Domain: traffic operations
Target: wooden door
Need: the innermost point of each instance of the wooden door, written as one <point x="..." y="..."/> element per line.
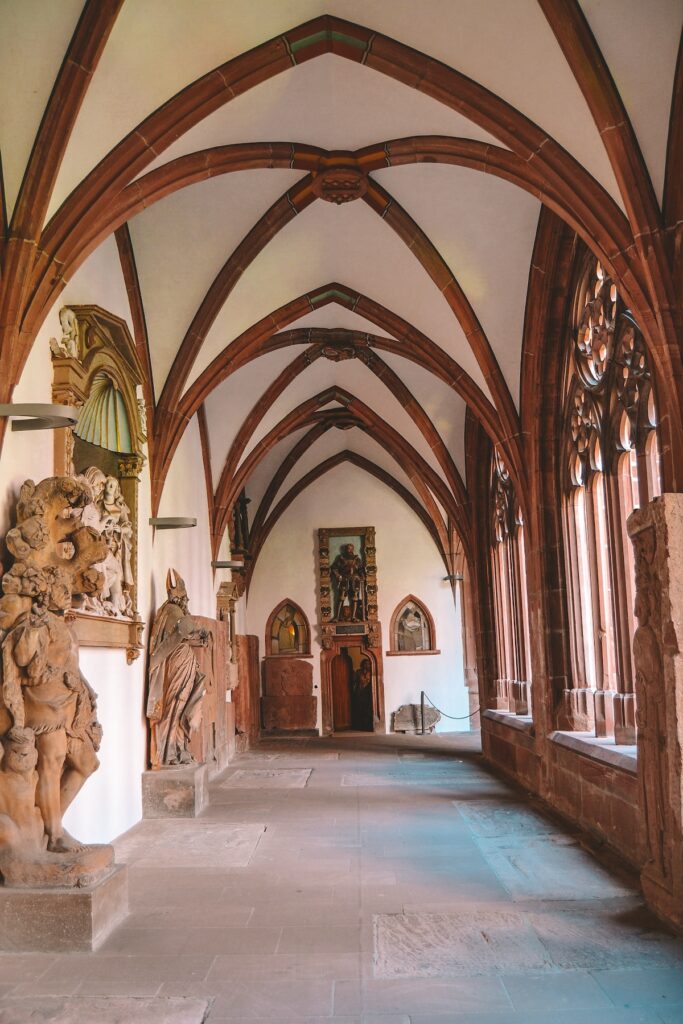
<point x="342" y="671"/>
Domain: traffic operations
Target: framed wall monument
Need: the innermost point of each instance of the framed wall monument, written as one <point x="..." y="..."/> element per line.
<point x="97" y="370"/>
<point x="352" y="688"/>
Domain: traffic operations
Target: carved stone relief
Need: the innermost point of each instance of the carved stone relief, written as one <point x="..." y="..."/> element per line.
<point x="96" y="369"/>
<point x="49" y="733"/>
<point x="656" y="532"/>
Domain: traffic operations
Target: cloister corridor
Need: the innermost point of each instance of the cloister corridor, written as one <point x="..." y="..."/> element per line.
<point x="383" y="880"/>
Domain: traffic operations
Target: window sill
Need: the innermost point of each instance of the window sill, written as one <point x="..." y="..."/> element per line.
<point x="408" y="654"/>
<point x="598" y="749"/>
<point x="524" y="723"/>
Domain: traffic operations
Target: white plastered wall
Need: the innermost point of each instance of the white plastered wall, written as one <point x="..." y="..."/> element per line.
<point x="407" y="563"/>
<point x="110" y="801"/>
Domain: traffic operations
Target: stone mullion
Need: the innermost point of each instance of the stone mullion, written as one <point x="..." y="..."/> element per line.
<point x="624" y="702"/>
<point x="499" y="697"/>
<point x="604" y="598"/>
<point x="521" y="624"/>
<point x="578" y="701"/>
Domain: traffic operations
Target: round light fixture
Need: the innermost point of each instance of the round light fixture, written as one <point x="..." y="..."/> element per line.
<point x="39" y="415"/>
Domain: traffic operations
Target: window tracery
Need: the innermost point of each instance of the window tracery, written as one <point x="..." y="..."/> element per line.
<point x="611" y="467"/>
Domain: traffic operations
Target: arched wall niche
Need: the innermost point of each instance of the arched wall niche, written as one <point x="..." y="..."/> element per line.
<point x="288" y="633"/>
<point x="412" y="620"/>
<point x="96" y="369"/>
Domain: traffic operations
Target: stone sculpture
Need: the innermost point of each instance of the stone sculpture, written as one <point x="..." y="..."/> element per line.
<point x="175" y="681"/>
<point x="348" y="573"/>
<point x="66" y="347"/>
<point x="49" y="731"/>
<point x="109" y="514"/>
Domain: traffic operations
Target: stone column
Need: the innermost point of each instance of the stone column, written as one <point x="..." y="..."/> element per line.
<point x="656" y="532"/>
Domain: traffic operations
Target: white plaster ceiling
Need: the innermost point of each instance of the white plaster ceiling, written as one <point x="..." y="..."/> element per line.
<point x="442" y="404"/>
<point x="34" y="36"/>
<point x="260" y="479"/>
<point x="639" y="41"/>
<point x="230" y="403"/>
<point x="182" y="242"/>
<point x="352" y="245"/>
<point x="507" y="45"/>
<point x="354" y="377"/>
<point x="335" y="316"/>
<point x="484" y="227"/>
<point x="307" y="105"/>
<point x="335" y="441"/>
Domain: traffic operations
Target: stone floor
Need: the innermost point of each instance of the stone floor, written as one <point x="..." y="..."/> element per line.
<point x="379" y="880"/>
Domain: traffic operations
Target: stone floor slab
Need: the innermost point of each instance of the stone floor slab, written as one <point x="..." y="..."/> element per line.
<point x="602" y="942"/>
<point x="549" y="867"/>
<point x="108" y="1010"/>
<point x="492" y="818"/>
<point x="267" y="778"/>
<point x="189" y="844"/>
<point x="447" y="945"/>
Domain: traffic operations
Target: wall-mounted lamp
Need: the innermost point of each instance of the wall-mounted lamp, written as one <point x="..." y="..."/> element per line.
<point x="39" y="415"/>
<point x="173" y="522"/>
<point x="456" y="577"/>
<point x="227" y="564"/>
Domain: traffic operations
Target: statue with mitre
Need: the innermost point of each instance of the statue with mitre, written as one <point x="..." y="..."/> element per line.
<point x="176" y="684"/>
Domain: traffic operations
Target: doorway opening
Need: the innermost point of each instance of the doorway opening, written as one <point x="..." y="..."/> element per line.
<point x="353" y="687"/>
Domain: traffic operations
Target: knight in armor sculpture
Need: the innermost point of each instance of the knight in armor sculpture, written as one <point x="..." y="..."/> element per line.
<point x="348" y="573"/>
<point x="176" y="685"/>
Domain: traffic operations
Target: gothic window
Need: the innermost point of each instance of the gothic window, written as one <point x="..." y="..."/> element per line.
<point x="288" y="632"/>
<point x="611" y="467"/>
<point x="508" y="571"/>
<point x="412" y="629"/>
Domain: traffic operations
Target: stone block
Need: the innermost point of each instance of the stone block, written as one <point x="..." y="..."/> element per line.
<point x="289" y="713"/>
<point x="181" y="792"/>
<point x="76" y="920"/>
<point x="287" y="677"/>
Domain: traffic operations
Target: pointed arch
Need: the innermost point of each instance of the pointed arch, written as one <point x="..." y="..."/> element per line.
<point x="427" y="644"/>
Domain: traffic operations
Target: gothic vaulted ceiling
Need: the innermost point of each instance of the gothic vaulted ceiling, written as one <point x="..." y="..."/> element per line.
<point x="326" y="210"/>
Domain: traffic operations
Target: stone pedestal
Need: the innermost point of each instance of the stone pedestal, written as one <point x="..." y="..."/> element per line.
<point x="657" y="535"/>
<point x="75" y="920"/>
<point x="181" y="792"/>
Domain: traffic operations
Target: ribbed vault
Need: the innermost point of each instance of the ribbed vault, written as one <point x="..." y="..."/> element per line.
<point x="370" y="271"/>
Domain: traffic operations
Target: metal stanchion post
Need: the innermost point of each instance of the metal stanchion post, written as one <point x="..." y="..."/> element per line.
<point x="422" y="710"/>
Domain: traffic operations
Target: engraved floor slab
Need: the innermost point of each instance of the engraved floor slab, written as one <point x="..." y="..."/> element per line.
<point x="491" y="818"/>
<point x="189" y="844"/>
<point x="105" y="1010"/>
<point x="446" y="945"/>
<point x="605" y="941"/>
<point x="268" y="778"/>
<point x="549" y="868"/>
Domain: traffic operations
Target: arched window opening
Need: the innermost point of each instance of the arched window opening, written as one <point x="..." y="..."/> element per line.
<point x="510" y="607"/>
<point x="611" y="467"/>
<point x="288" y="632"/>
<point x="412" y="629"/>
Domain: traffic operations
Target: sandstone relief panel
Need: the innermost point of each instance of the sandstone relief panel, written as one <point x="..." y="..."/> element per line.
<point x="49" y="733"/>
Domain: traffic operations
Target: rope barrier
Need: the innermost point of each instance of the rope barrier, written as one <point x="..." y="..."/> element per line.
<point x="453" y="718"/>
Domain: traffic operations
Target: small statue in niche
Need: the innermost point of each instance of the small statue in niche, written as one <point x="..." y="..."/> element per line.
<point x="176" y="686"/>
<point x="412" y="631"/>
<point x="66" y="347"/>
<point x="109" y="514"/>
<point x="49" y="731"/>
<point x="348" y="573"/>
